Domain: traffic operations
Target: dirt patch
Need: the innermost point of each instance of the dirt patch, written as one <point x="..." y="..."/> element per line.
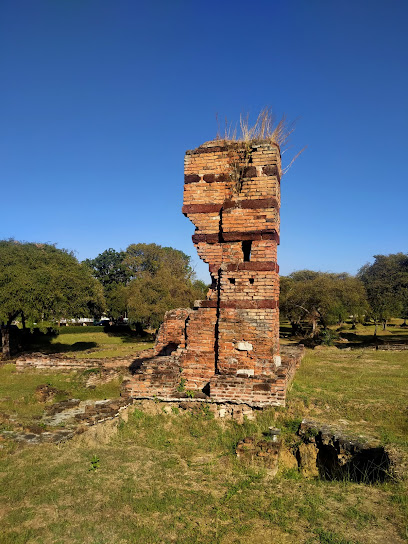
<point x="46" y="393"/>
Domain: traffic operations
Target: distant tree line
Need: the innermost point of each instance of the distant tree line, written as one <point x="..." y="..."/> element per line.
<point x="378" y="292"/>
<point x="42" y="284"/>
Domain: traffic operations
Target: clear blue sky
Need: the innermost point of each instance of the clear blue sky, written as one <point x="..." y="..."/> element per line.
<point x="100" y="99"/>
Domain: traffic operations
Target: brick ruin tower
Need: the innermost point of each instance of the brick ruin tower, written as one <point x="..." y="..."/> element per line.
<point x="227" y="347"/>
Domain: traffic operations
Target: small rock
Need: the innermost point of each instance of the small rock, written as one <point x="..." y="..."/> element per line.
<point x="245" y="372"/>
<point x="243" y="346"/>
<point x="277" y="360"/>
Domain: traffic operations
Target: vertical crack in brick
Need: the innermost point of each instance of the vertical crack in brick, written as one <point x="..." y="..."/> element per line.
<point x="217" y="323"/>
<point x="220" y="231"/>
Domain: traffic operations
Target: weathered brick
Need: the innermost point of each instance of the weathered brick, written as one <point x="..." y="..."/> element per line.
<point x="191" y="178"/>
<point x="226" y="345"/>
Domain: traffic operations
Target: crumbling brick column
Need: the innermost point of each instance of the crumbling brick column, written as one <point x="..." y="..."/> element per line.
<point x="227" y="347"/>
<point x="232" y="195"/>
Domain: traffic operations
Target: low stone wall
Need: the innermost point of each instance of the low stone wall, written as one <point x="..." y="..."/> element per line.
<point x="155" y="376"/>
<point x="392" y="347"/>
<point x="58" y="363"/>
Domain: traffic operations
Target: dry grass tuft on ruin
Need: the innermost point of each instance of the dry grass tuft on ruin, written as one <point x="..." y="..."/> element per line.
<point x="266" y="128"/>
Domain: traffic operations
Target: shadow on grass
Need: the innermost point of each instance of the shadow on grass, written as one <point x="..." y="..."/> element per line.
<point x="48" y="348"/>
<point x="78" y="346"/>
<point x="368" y="340"/>
<point x="38" y="341"/>
<point x="128" y="335"/>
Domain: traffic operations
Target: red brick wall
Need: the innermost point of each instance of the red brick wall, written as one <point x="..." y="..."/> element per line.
<point x="245" y="292"/>
<point x="172" y="333"/>
<point x="228" y="343"/>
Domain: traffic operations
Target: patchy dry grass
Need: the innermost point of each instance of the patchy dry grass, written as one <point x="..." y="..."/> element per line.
<point x="365" y="390"/>
<point x="175" y="479"/>
<point x="17" y="392"/>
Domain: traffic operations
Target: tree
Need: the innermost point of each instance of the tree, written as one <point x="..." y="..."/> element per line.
<point x="146" y="264"/>
<point x="354" y="299"/>
<point x="109" y="268"/>
<point x="321" y="298"/>
<point x="140" y="258"/>
<point x="386" y="283"/>
<point x="116" y="296"/>
<point x="162" y="279"/>
<point x="200" y="289"/>
<point x="43" y="283"/>
<point x="290" y="304"/>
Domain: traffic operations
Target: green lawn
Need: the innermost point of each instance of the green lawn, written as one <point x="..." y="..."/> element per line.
<point x="366" y="389"/>
<point x="92" y="342"/>
<point x="17" y="392"/>
<point x="175" y="479"/>
<point x="362" y="333"/>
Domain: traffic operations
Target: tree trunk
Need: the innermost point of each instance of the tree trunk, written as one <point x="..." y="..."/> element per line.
<point x="5" y="341"/>
<point x="384" y="325"/>
<point x="295" y="328"/>
<point x="23" y="320"/>
<point x="375" y="334"/>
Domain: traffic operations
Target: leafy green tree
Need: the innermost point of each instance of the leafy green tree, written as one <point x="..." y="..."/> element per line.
<point x="200" y="289"/>
<point x="151" y="296"/>
<point x="321" y="298"/>
<point x="162" y="279"/>
<point x="140" y="258"/>
<point x="145" y="281"/>
<point x="290" y="304"/>
<point x="42" y="283"/>
<point x="386" y="283"/>
<point x="116" y="297"/>
<point x="354" y="299"/>
<point x="108" y="268"/>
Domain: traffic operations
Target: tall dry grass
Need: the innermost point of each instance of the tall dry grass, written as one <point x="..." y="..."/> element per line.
<point x="266" y="128"/>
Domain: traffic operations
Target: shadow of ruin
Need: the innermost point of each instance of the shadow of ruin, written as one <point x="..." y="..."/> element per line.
<point x="226" y="349"/>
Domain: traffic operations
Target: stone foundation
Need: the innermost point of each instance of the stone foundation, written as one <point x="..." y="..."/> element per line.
<point x="40" y="361"/>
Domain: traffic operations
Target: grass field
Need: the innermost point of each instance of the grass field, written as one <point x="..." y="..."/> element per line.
<point x="361" y="335"/>
<point x="162" y="478"/>
<point x="18" y="399"/>
<point x="92" y="342"/>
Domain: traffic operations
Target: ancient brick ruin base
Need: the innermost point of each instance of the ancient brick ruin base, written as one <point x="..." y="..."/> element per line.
<point x="161" y="377"/>
<point x="227" y="348"/>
